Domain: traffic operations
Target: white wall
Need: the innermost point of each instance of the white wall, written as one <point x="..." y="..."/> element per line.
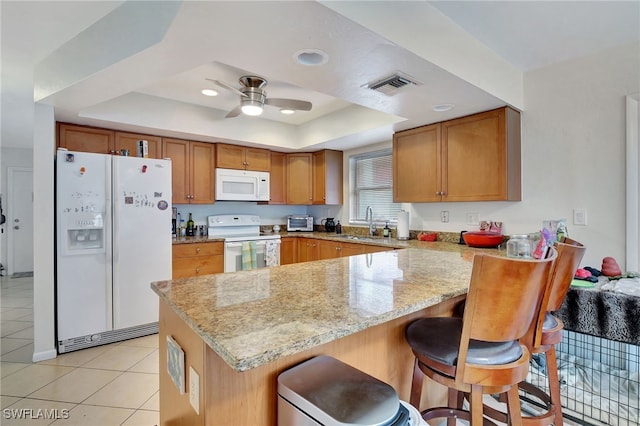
<point x="573" y="156"/>
<point x="10" y="157"/>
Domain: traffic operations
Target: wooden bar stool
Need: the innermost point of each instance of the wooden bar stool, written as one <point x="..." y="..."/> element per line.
<point x="545" y="333"/>
<point x="480" y="352"/>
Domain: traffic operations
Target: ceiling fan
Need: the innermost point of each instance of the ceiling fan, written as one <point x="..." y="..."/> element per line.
<point x="253" y="97"/>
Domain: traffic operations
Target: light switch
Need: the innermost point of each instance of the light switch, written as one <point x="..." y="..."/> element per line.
<point x="580" y="216"/>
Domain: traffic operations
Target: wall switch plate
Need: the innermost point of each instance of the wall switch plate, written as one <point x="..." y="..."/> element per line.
<point x="580" y="216"/>
<point x="194" y="389"/>
<point x="473" y="218"/>
<point x="444" y="216"/>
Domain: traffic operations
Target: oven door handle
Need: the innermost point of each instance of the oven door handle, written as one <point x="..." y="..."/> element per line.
<point x="258" y="243"/>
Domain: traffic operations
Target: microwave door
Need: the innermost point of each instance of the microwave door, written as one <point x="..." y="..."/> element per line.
<point x="239" y="188"/>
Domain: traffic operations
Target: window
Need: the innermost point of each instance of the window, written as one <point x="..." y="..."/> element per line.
<point x="371" y="184"/>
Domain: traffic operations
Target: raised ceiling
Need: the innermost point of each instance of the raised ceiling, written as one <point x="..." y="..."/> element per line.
<point x="140" y="66"/>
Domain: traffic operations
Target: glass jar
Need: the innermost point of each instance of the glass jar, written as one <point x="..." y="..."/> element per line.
<point x="519" y="246"/>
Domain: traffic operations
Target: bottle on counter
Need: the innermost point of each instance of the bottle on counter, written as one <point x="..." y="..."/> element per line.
<point x="190" y="227"/>
<point x="183" y="228"/>
<point x="338" y="228"/>
<point x="386" y="231"/>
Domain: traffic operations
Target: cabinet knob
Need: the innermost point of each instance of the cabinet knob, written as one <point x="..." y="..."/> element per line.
<point x="197" y="249"/>
<point x="197" y="270"/>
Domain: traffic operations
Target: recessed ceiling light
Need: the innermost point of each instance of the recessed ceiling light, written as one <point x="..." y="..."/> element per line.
<point x="287" y="111"/>
<point x="209" y="92"/>
<point x="311" y="57"/>
<point x="443" y="107"/>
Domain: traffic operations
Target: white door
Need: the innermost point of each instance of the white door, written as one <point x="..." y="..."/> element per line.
<point x="19" y="220"/>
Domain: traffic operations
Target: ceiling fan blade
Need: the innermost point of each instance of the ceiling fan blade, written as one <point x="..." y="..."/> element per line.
<point x="234" y="112"/>
<point x="289" y="104"/>
<point x="226" y="86"/>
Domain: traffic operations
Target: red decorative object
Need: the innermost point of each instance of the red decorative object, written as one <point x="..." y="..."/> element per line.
<point x="427" y="236"/>
<point x="610" y="267"/>
<point x="482" y="239"/>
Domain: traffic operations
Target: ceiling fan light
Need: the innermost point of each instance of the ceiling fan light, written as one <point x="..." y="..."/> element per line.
<point x="443" y="107"/>
<point x="287" y="111"/>
<point x="253" y="110"/>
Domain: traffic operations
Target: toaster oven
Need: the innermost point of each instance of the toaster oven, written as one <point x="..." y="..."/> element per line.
<point x="300" y="223"/>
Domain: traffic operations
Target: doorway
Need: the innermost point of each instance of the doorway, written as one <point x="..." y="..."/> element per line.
<point x="19" y="221"/>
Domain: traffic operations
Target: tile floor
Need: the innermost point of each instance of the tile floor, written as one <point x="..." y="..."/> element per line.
<point x="114" y="384"/>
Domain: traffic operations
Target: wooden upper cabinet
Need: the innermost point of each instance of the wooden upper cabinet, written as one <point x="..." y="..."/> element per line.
<point x="244" y="158"/>
<point x="473" y="158"/>
<point x="202" y="161"/>
<point x="481" y="159"/>
<point x="129" y="141"/>
<point x="327" y="177"/>
<point x="299" y="178"/>
<point x="416" y="165"/>
<point x="278" y="178"/>
<point x="86" y="139"/>
<point x="192" y="170"/>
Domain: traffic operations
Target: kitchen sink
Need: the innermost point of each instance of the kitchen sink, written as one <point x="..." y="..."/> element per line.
<point x="355" y="237"/>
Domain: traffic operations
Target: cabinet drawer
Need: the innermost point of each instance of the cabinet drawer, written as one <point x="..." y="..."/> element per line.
<point x="197" y="249"/>
<point x="196" y="266"/>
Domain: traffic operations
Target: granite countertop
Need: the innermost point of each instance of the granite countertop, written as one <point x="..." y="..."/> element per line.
<point x="251" y="318"/>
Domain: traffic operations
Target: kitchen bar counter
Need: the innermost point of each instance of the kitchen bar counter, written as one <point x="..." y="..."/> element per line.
<point x="239" y="331"/>
<point x="250" y="318"/>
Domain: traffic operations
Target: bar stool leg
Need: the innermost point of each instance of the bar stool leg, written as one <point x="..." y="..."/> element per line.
<point x="554" y="385"/>
<point x="416" y="386"/>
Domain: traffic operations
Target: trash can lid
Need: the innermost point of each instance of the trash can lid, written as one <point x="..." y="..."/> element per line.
<point x="335" y="393"/>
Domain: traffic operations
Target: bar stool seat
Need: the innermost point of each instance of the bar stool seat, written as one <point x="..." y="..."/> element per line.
<point x="480" y="353"/>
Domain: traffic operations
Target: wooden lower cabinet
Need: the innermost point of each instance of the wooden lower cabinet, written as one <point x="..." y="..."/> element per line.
<point x="307" y="249"/>
<point x="288" y="251"/>
<point x="193" y="259"/>
<point x="332" y="249"/>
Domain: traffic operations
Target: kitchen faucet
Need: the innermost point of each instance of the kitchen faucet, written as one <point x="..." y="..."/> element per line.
<point x="368" y="216"/>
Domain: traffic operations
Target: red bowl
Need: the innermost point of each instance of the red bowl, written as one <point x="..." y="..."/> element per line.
<point x="482" y="239"/>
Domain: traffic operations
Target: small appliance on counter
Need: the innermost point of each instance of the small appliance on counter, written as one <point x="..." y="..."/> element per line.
<point x="329" y="224"/>
<point x="174" y="222"/>
<point x="301" y="222"/>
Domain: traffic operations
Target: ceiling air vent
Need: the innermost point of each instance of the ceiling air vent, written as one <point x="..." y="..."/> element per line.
<point x="391" y="84"/>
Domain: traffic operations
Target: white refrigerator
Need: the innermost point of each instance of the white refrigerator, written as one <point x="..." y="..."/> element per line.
<point x="113" y="220"/>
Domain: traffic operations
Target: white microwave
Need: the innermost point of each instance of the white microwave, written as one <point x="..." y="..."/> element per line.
<point x="241" y="185"/>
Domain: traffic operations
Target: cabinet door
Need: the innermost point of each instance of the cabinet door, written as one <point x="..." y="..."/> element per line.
<point x="299" y="178"/>
<point x="307" y="249"/>
<point x="327" y="177"/>
<point x="481" y="159"/>
<point x="257" y="159"/>
<point x="130" y="141"/>
<point x="202" y="161"/>
<point x="288" y="249"/>
<point x="416" y="165"/>
<point x="278" y="176"/>
<point x="230" y="156"/>
<point x="85" y="139"/>
<point x="350" y="249"/>
<point x="178" y="151"/>
<point x="328" y="249"/>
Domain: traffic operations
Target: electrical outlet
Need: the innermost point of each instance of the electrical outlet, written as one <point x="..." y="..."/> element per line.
<point x="444" y="216"/>
<point x="473" y="218"/>
<point x="194" y="389"/>
<point x="580" y="216"/>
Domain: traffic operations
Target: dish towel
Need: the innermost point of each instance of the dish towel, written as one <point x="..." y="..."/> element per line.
<point x="249" y="258"/>
<point x="271" y="257"/>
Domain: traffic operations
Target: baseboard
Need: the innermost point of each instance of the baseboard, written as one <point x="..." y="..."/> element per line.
<point x="44" y="355"/>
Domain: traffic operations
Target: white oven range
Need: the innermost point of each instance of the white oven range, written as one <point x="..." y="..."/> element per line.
<point x="243" y="242"/>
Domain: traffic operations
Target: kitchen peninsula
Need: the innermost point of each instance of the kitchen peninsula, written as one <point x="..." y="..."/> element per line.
<point x="238" y="331"/>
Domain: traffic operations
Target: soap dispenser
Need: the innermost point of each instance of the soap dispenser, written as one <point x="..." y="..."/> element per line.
<point x="338" y="228"/>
